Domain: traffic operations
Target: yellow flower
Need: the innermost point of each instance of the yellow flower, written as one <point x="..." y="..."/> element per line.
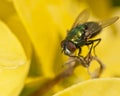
<point x="14" y="59"/>
<point x="93" y="88"/>
<point x="32" y="33"/>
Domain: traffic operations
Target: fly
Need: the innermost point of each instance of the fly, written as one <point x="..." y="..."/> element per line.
<point x="82" y="33"/>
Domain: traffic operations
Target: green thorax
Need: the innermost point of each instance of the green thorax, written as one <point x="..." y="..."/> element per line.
<point x="76" y="35"/>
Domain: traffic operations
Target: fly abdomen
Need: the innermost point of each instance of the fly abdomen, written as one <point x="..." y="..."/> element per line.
<point x="92" y="29"/>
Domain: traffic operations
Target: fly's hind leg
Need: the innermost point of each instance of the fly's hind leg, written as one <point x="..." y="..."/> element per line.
<point x="98" y="41"/>
<point x="91" y="42"/>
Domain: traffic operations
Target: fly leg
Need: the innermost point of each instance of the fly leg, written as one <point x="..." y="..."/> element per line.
<point x="89" y="58"/>
<point x="98" y="41"/>
<point x="82" y="59"/>
<point x="80" y="56"/>
<point x="85" y="62"/>
<point x="79" y="52"/>
<point x="91" y="42"/>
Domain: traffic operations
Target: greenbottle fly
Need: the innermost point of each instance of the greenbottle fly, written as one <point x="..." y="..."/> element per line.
<point x="82" y="33"/>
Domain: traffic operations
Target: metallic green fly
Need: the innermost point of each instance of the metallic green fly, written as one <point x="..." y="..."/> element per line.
<point x="82" y="33"/>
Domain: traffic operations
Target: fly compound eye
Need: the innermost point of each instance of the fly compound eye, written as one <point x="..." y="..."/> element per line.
<point x="68" y="47"/>
<point x="71" y="47"/>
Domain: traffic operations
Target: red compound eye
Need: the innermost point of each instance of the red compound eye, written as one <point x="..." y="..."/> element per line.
<point x="71" y="46"/>
<point x="68" y="47"/>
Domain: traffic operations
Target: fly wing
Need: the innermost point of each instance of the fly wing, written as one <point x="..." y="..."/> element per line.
<point x="82" y="17"/>
<point x="108" y="22"/>
<point x="94" y="28"/>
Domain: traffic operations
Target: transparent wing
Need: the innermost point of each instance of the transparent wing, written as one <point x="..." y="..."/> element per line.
<point x="93" y="28"/>
<point x="82" y="17"/>
<point x="108" y="22"/>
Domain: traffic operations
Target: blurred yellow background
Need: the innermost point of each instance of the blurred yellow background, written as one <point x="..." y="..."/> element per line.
<point x="40" y="26"/>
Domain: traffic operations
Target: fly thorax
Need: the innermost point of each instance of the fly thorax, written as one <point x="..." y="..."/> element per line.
<point x="76" y="37"/>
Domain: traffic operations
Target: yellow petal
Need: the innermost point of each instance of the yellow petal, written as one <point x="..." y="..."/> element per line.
<point x="14" y="23"/>
<point x="14" y="64"/>
<point x="39" y="25"/>
<point x="96" y="87"/>
<point x="6" y="9"/>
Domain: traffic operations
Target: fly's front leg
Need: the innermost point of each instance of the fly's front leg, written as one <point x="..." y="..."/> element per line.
<point x="79" y="52"/>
